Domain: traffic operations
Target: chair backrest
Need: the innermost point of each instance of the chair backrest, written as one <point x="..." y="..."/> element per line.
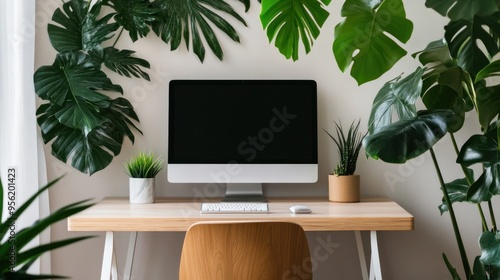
<point x="245" y="251"/>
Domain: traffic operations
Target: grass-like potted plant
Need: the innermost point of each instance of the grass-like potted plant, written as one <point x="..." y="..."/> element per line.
<point x="343" y="184"/>
<point x="142" y="170"/>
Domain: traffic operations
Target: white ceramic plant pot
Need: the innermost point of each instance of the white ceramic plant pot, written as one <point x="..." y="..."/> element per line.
<point x="142" y="190"/>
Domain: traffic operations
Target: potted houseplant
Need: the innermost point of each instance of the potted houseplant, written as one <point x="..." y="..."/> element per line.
<point x="343" y="184"/>
<point x="15" y="257"/>
<point x="142" y="170"/>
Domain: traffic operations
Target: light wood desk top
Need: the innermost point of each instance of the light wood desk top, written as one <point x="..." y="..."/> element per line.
<point x="117" y="214"/>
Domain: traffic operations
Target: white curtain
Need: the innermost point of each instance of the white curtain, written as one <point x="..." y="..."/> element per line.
<point x="21" y="150"/>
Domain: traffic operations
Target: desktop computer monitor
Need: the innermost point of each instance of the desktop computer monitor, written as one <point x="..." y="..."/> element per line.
<point x="242" y="133"/>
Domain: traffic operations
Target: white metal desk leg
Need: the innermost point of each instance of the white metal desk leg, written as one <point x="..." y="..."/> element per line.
<point x="361" y="254"/>
<point x="130" y="255"/>
<point x="375" y="269"/>
<point x="109" y="269"/>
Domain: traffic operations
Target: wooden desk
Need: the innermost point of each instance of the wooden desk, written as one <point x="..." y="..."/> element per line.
<point x="117" y="214"/>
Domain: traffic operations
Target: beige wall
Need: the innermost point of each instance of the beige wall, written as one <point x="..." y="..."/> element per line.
<point x="405" y="255"/>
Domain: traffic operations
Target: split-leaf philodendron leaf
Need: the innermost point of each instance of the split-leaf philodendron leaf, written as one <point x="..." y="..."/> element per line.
<point x="362" y="38"/>
<point x="408" y="138"/>
<point x="288" y="22"/>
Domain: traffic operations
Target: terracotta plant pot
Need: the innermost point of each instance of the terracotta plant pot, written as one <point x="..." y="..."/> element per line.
<point x="344" y="188"/>
<point x="142" y="190"/>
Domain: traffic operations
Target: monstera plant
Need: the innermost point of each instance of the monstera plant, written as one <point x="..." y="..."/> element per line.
<point x="456" y="78"/>
<point x="84" y="116"/>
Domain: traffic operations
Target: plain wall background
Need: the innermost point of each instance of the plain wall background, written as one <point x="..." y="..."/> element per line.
<point x="414" y="185"/>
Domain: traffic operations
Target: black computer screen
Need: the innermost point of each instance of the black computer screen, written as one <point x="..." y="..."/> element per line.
<point x="252" y="121"/>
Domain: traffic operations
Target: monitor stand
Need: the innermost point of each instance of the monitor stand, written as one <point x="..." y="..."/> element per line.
<point x="244" y="192"/>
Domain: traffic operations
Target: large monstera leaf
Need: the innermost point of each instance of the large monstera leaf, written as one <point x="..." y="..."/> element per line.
<point x="87" y="126"/>
<point x="474" y="41"/>
<point x="445" y="84"/>
<point x="397" y="95"/>
<point x="179" y="19"/>
<point x="290" y="21"/>
<point x="72" y="84"/>
<point x="362" y="38"/>
<point x="78" y="27"/>
<point x="408" y="138"/>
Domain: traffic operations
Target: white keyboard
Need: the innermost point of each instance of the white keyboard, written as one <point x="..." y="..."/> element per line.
<point x="234" y="207"/>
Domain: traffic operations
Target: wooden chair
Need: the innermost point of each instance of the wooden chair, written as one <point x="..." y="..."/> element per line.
<point x="245" y="251"/>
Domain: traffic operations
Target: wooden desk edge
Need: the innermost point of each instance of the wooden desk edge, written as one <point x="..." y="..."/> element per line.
<point x="401" y="222"/>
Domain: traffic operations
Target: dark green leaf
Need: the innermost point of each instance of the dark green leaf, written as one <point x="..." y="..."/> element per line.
<point x="473" y="41"/>
<point x="362" y="38"/>
<point x="398" y="94"/>
<point x="79" y="29"/>
<point x="483" y="149"/>
<point x="135" y="16"/>
<point x="71" y="84"/>
<point x="491" y="70"/>
<point x="490" y="248"/>
<point x="4" y="226"/>
<point x="445" y="85"/>
<point x="479" y="272"/>
<point x="487" y="99"/>
<point x="246" y="3"/>
<point x="290" y="21"/>
<point x="486" y="186"/>
<point x="28" y="257"/>
<point x="186" y="18"/>
<point x="24" y="236"/>
<point x="480" y="149"/>
<point x="462" y="9"/>
<point x="457" y="192"/>
<point x="436" y="54"/>
<point x="94" y="151"/>
<point x="451" y="90"/>
<point x="408" y="138"/>
<point x="123" y="63"/>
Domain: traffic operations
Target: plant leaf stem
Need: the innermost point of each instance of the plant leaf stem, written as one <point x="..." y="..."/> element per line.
<point x="117" y="38"/>
<point x="492" y="216"/>
<point x="470" y="181"/>
<point x="456" y="230"/>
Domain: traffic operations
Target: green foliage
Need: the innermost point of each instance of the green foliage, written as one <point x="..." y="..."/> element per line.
<point x="362" y="38"/>
<point x="185" y="19"/>
<point x="15" y="258"/>
<point x="455" y="80"/>
<point x="367" y="38"/>
<point x="348" y="146"/>
<point x="135" y="16"/>
<point x="83" y="117"/>
<point x="484" y="150"/>
<point x="397" y="95"/>
<point x="144" y="166"/>
<point x="490" y="248"/>
<point x="290" y="21"/>
<point x="408" y="138"/>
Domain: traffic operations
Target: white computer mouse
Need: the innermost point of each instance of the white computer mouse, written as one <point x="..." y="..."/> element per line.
<point x="300" y="209"/>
